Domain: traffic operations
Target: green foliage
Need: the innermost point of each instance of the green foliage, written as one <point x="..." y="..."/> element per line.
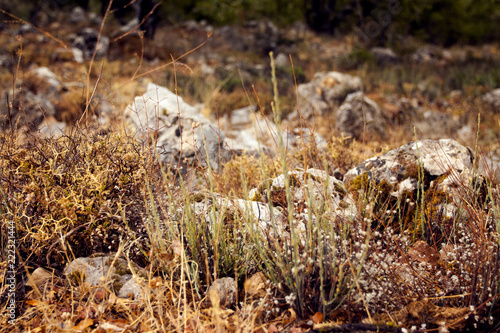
<point x="358" y="57"/>
<point x="436" y="21"/>
<point x="222" y="12"/>
<point x="450" y="21"/>
<point x="376" y="22"/>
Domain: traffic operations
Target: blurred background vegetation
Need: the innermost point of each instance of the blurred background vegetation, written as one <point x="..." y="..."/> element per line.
<point x="383" y="22"/>
<point x="379" y="22"/>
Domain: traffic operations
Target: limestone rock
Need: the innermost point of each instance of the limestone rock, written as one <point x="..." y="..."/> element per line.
<point x="266" y="34"/>
<point x="78" y="55"/>
<point x="384" y="55"/>
<point x="28" y="108"/>
<point x="49" y="77"/>
<point x="493" y="99"/>
<point x="325" y="92"/>
<point x="88" y="40"/>
<point x="439" y="169"/>
<point x="95" y="271"/>
<point x="77" y="15"/>
<point x="282" y="61"/>
<point x="266" y="210"/>
<point x="434" y="124"/>
<point x="359" y="114"/>
<point x="427" y="54"/>
<point x="256" y="285"/>
<point x="435" y="157"/>
<point x="50" y="127"/>
<point x="181" y="132"/>
<point x="312" y="185"/>
<point x="297" y="32"/>
<point x="250" y="210"/>
<point x="442" y="165"/>
<point x="306" y="137"/>
<point x="39" y="277"/>
<point x="429" y="124"/>
<point x="250" y="132"/>
<point x="242" y="117"/>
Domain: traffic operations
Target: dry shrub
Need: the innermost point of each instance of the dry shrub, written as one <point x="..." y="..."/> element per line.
<point x="68" y="197"/>
<point x="245" y="169"/>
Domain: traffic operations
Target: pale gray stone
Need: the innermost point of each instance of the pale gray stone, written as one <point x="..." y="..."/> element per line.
<point x="96" y="271"/>
<point x="77" y="15"/>
<point x="282" y="61"/>
<point x="243" y="116"/>
<point x="51" y="128"/>
<point x="226" y="290"/>
<point x="78" y="55"/>
<point x="493" y="99"/>
<point x="27" y="109"/>
<point x="442" y="165"/>
<point x="88" y="41"/>
<point x="46" y="74"/>
<point x="384" y="55"/>
<point x="183" y="133"/>
<point x="325" y="93"/>
<point x="359" y="115"/>
<point x="435" y="157"/>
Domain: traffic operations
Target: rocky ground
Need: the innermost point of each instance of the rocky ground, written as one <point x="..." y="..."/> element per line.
<point x="329" y="184"/>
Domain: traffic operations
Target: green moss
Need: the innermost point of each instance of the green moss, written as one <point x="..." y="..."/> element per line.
<point x="405" y="212"/>
<point x="340" y="190"/>
<point x="360" y="182"/>
<point x="433" y="200"/>
<point x="343" y="204"/>
<point x="117" y="283"/>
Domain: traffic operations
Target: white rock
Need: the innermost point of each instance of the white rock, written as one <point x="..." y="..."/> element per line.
<point x="325" y="92"/>
<point x="493" y="98"/>
<point x="180" y="128"/>
<point x="438" y="156"/>
<point x="96" y="270"/>
<point x="51" y="128"/>
<point x="49" y="76"/>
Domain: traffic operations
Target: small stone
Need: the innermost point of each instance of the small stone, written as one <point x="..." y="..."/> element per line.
<point x="89" y="40"/>
<point x="77" y="15"/>
<point x="493" y="98"/>
<point x="360" y="115"/>
<point x="39" y="277"/>
<point x="282" y="61"/>
<point x="223" y="291"/>
<point x="95" y="271"/>
<point x="384" y="55"/>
